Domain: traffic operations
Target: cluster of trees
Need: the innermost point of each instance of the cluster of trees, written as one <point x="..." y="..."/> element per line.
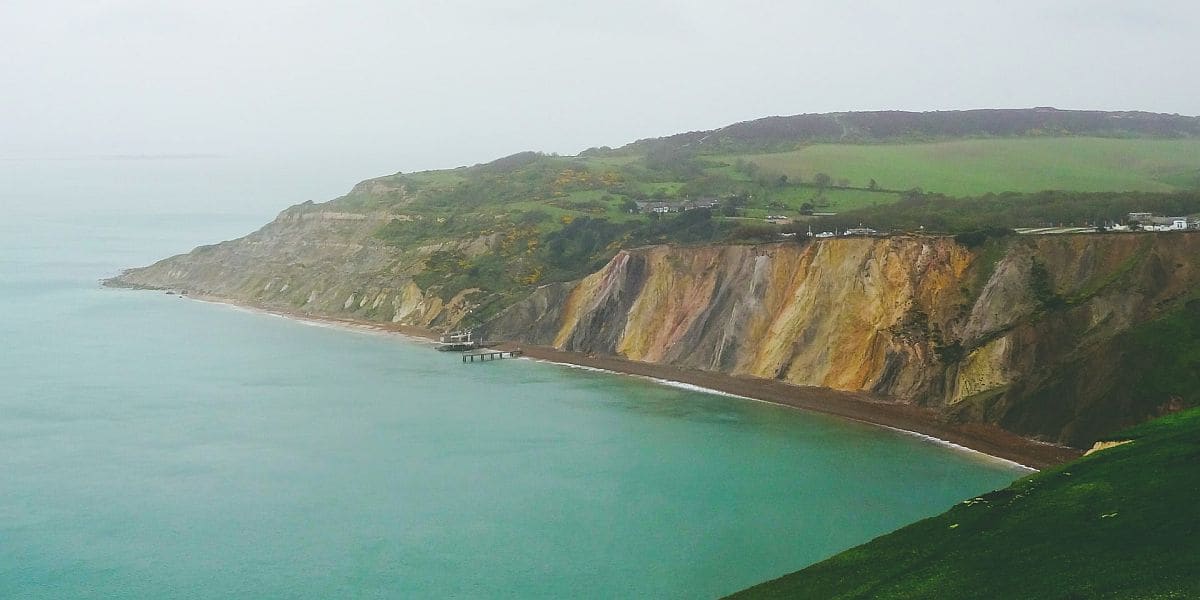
<point x="669" y="163"/>
<point x="665" y="172"/>
<point x="455" y="225"/>
<point x="977" y="237"/>
<point x="820" y="180"/>
<point x="520" y="177"/>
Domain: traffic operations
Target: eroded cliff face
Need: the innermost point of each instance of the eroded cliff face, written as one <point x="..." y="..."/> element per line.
<point x="829" y="314"/>
<point x="1024" y="334"/>
<point x="315" y="260"/>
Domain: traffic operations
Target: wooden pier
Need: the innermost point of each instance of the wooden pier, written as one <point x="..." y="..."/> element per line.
<point x="486" y="355"/>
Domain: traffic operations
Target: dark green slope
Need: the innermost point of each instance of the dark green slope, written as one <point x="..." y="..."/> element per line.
<point x="893" y="125"/>
<point x="1121" y="523"/>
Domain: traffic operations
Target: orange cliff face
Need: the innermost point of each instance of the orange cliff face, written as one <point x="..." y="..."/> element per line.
<point x="973" y="333"/>
<point x="832" y="314"/>
<point x="842" y="318"/>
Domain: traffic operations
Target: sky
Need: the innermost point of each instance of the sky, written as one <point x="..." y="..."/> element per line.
<point x="385" y="86"/>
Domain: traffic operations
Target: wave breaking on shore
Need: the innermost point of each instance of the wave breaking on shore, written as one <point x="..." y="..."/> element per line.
<point x="714" y="392"/>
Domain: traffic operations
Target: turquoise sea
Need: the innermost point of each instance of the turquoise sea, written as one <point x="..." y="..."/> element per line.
<point x="156" y="447"/>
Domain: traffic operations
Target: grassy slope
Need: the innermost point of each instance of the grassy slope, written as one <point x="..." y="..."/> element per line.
<point x="977" y="166"/>
<point x="956" y="168"/>
<point x="527" y="198"/>
<point x="524" y="202"/>
<point x="1121" y="523"/>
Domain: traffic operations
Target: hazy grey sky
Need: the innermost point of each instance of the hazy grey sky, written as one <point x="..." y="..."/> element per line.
<point x="429" y="84"/>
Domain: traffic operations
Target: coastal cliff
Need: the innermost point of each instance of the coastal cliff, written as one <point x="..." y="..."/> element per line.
<point x="1059" y="338"/>
<point x="316" y="261"/>
<point x="1062" y="338"/>
<point x="1039" y="335"/>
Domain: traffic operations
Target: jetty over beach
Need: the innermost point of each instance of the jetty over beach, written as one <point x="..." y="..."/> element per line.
<point x="486" y="355"/>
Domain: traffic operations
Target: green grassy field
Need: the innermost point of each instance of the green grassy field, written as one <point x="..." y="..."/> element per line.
<point x="978" y="166"/>
<point x="969" y="167"/>
<point x="1121" y="523"/>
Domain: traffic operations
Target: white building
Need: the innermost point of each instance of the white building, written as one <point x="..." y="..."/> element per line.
<point x="860" y="230"/>
<point x="1150" y="222"/>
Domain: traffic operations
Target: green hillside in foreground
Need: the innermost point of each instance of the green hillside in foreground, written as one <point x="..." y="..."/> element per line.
<point x="1121" y="523"/>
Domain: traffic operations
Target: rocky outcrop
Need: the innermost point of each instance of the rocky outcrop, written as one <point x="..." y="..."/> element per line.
<point x="1025" y="335"/>
<point x="1101" y="446"/>
<point x="315" y="260"/>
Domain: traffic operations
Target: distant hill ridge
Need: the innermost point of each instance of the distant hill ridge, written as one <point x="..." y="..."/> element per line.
<point x="892" y="125"/>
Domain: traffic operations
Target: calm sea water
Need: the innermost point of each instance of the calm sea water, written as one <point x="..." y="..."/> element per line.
<point x="154" y="447"/>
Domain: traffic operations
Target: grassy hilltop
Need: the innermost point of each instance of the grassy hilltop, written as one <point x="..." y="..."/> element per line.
<point x="837" y="161"/>
<point x="829" y="177"/>
<point x="1120" y="523"/>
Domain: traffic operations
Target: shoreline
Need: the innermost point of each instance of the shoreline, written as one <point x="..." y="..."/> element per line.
<point x="909" y="419"/>
<point x="980" y="438"/>
<point x="691" y="387"/>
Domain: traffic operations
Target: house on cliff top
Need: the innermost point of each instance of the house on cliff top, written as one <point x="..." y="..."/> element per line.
<point x="664" y="206"/>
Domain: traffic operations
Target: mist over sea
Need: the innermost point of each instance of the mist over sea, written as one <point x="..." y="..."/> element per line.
<point x="158" y="447"/>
